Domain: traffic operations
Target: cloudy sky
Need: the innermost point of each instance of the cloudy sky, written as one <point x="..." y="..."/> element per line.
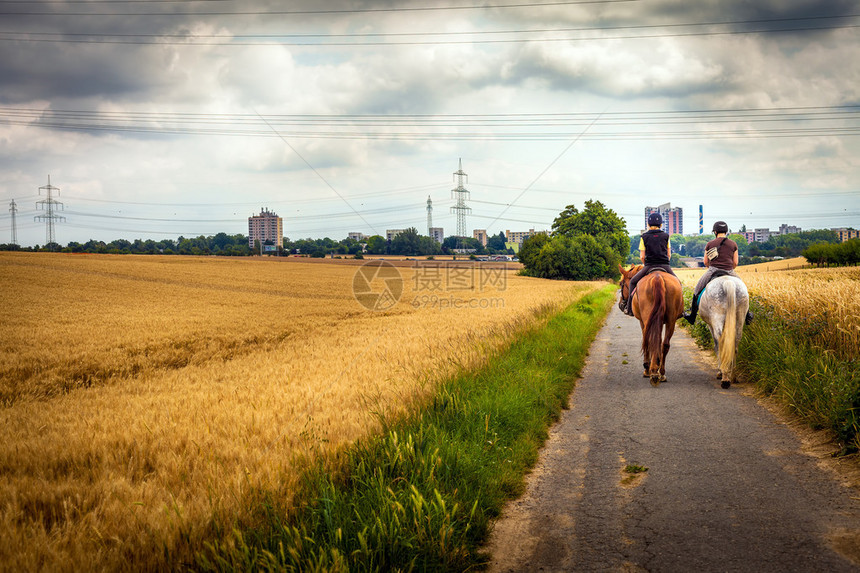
<point x="161" y="118"/>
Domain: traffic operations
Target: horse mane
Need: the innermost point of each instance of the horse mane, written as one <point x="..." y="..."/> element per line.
<point x="653" y="335"/>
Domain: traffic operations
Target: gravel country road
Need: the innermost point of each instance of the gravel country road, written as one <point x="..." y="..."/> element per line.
<point x="728" y="486"/>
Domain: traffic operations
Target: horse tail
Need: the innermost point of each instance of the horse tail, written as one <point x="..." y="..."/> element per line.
<point x="654" y="330"/>
<point x="728" y="338"/>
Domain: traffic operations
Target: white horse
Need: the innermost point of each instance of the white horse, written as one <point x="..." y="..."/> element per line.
<point x="723" y="306"/>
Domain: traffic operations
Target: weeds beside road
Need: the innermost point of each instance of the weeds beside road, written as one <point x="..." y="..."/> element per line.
<point x="423" y="493"/>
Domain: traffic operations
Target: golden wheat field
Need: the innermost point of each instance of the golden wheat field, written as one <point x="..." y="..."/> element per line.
<point x="145" y="400"/>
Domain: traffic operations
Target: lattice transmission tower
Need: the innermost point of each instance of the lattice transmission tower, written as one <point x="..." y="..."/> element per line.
<point x="13" y="208"/>
<point x="49" y="205"/>
<point x="460" y="194"/>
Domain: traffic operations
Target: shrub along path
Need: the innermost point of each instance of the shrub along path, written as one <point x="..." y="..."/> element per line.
<point x="713" y="481"/>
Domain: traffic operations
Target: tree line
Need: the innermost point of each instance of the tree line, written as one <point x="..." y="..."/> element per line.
<point x="408" y="242"/>
<point x="219" y="244"/>
<point x="828" y="254"/>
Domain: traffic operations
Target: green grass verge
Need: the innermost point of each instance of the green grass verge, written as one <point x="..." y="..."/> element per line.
<point x="784" y="359"/>
<point x="421" y="495"/>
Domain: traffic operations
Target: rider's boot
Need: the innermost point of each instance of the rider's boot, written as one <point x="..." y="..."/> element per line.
<point x="694" y="310"/>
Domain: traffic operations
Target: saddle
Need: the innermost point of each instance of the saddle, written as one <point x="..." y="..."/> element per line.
<point x="648" y="272"/>
<point x="717" y="274"/>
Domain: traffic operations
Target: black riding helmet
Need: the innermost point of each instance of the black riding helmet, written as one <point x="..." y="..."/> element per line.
<point x="720" y="227"/>
<point x="655" y="220"/>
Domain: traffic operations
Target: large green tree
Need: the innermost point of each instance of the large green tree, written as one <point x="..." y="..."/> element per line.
<point x="596" y="220"/>
<point x="496" y="243"/>
<point x="451" y="243"/>
<point x="376" y="245"/>
<point x="584" y="245"/>
<point x="407" y="242"/>
<point x="531" y="248"/>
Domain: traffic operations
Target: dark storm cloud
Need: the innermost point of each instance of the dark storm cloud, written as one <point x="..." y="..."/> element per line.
<point x="680" y="61"/>
<point x="66" y="57"/>
<point x="773" y="9"/>
<point x="703" y="11"/>
<point x="45" y="72"/>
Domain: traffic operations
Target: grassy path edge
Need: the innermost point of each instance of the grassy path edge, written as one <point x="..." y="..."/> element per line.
<point x="422" y="494"/>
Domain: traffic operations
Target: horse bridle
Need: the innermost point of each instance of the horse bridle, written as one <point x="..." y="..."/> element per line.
<point x="625" y="284"/>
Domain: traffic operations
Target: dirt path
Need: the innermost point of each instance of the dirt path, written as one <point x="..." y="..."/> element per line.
<point x="728" y="487"/>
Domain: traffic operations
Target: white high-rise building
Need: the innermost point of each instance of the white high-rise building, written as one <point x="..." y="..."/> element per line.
<point x="265" y="227"/>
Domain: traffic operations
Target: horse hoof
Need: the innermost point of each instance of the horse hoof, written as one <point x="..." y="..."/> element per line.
<point x="725" y="384"/>
<point x="646" y="374"/>
<point x="655" y="381"/>
<point x="663" y="378"/>
<point x="719" y="375"/>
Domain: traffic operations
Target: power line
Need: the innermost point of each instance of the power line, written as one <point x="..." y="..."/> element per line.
<point x="355" y="196"/>
<point x="574" y="118"/>
<point x="556" y="210"/>
<point x="315" y="216"/>
<point x="727" y="124"/>
<point x="186" y="39"/>
<point x="573" y="141"/>
<point x="323" y="12"/>
<point x="108" y="1"/>
<point x="473" y="136"/>
<point x="191" y="42"/>
<point x="317" y="173"/>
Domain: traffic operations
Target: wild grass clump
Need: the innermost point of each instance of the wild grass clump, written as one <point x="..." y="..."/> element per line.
<point x="823" y="304"/>
<point x="786" y="358"/>
<point x="421" y="495"/>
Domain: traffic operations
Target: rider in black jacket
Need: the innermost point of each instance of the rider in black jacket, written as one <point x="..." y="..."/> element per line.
<point x="654" y="252"/>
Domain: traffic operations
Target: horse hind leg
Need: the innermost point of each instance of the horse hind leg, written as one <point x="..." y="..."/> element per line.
<point x="666" y="347"/>
<point x="726" y="374"/>
<point x="655" y="368"/>
<point x="716" y="338"/>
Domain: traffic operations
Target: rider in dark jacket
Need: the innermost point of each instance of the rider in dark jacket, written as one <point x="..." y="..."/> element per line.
<point x="654" y="252"/>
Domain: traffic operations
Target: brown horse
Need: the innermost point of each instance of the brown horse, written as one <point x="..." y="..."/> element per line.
<point x="657" y="302"/>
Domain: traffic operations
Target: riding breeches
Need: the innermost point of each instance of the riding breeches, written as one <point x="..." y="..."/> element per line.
<point x="706" y="278"/>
